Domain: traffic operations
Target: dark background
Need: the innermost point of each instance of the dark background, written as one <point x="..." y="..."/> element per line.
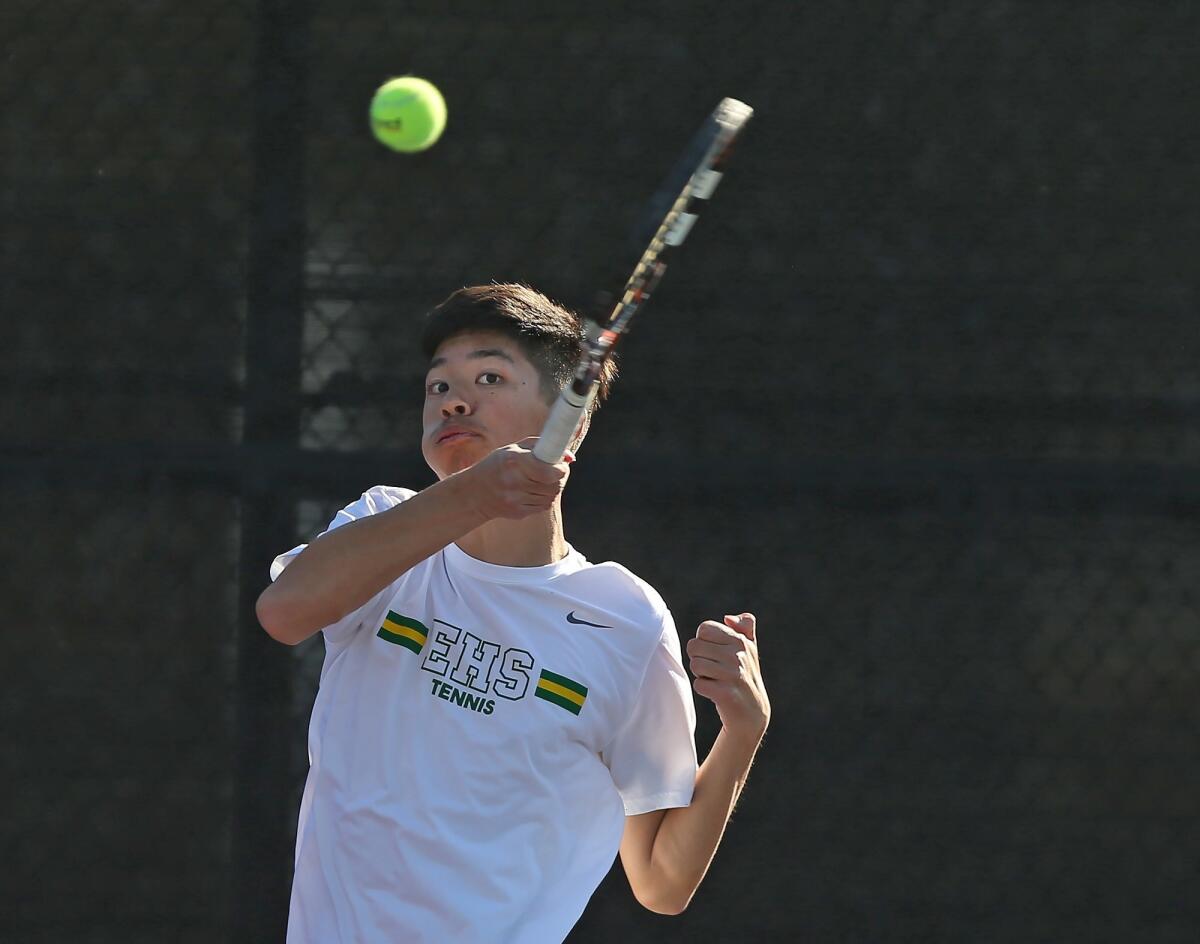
<point x="923" y="390"/>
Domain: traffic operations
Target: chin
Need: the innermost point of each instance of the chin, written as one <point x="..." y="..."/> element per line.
<point x="445" y="462"/>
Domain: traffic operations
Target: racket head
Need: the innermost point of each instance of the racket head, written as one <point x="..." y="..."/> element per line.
<point x="708" y="150"/>
<point x="676" y="206"/>
<point x="672" y="213"/>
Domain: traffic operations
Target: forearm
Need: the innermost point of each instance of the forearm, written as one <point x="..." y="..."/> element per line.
<point x="344" y="568"/>
<point x="688" y="836"/>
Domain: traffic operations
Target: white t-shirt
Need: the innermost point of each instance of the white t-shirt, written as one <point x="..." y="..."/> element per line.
<point x="478" y="737"/>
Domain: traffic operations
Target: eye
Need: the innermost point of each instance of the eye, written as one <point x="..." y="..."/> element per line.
<point x="490" y="378"/>
<point x="435" y="387"/>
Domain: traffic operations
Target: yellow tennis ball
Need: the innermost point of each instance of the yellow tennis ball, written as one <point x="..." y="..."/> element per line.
<point x="408" y="114"/>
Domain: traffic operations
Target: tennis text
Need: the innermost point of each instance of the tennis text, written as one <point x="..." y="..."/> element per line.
<point x="463" y="699"/>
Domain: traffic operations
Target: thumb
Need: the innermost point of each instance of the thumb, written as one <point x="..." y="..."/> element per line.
<point x="746" y="624"/>
<point x="530" y="441"/>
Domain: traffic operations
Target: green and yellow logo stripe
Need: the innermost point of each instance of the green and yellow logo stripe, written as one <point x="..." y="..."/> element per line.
<point x="403" y="631"/>
<point x="561" y="691"/>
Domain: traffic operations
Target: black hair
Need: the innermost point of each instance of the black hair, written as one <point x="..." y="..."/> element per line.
<point x="547" y="333"/>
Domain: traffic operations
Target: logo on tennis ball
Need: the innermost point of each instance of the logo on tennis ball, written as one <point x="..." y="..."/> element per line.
<point x="408" y="114"/>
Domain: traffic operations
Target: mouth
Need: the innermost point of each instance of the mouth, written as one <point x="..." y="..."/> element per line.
<point x="454" y="435"/>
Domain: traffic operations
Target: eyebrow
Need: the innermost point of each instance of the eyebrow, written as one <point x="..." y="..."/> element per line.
<point x="476" y="355"/>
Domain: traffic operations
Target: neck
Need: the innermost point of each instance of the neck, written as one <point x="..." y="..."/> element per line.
<point x="528" y="542"/>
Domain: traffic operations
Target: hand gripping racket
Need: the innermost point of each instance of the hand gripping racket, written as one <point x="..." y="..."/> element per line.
<point x="684" y="192"/>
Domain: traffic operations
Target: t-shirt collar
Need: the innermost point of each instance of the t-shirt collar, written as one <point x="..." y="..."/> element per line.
<point x="460" y="560"/>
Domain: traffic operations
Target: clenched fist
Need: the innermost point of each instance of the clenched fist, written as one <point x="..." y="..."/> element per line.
<point x="724" y="659"/>
<point x="512" y="483"/>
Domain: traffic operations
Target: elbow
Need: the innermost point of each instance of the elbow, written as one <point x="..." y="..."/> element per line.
<point x="274" y="617"/>
<point x="668" y="908"/>
<point x="664" y="901"/>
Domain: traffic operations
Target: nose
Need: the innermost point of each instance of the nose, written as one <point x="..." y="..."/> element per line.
<point x="454" y="405"/>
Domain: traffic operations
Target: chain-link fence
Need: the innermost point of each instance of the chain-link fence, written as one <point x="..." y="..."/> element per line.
<point x="941" y="429"/>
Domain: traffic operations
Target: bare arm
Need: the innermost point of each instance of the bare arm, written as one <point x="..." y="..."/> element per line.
<point x="667" y="852"/>
<point x="343" y="569"/>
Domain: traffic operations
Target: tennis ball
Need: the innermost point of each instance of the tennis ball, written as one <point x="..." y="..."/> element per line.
<point x="408" y="114"/>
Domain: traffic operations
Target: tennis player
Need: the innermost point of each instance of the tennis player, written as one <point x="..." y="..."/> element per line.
<point x="497" y="716"/>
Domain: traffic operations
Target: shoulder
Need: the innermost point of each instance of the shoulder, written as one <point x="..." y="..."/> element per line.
<point x="634" y="586"/>
<point x="374" y="500"/>
<point x="623" y="591"/>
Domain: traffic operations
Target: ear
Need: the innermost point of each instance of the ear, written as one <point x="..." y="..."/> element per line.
<point x="585" y="422"/>
<point x="580" y="431"/>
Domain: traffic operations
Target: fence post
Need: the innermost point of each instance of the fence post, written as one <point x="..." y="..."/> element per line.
<point x="262" y="848"/>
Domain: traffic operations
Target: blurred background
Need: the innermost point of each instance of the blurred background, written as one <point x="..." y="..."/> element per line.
<point x="923" y="390"/>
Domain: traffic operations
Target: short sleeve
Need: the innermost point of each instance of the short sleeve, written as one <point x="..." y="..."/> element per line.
<point x="374" y="500"/>
<point x="652" y="759"/>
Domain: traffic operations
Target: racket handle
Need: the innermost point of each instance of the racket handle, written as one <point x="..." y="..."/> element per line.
<point x="561" y="424"/>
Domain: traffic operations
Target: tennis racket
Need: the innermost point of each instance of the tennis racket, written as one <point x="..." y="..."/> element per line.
<point x="677" y="204"/>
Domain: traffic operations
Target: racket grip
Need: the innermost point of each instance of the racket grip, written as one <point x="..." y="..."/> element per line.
<point x="561" y="424"/>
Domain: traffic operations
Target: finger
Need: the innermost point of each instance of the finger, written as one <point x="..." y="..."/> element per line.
<point x="744" y="623"/>
<point x="540" y="489"/>
<point x="703" y="649"/>
<point x="529" y="442"/>
<point x="712" y="669"/>
<point x="712" y="631"/>
<point x="538" y="471"/>
<point x="540" y="493"/>
<point x="525" y="499"/>
<point x="530" y="508"/>
<point x="544" y="476"/>
<point x="711" y="689"/>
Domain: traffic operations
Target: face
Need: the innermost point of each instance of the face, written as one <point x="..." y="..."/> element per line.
<point x="481" y="392"/>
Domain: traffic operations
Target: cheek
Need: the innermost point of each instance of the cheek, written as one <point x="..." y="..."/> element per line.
<point x="429" y="415"/>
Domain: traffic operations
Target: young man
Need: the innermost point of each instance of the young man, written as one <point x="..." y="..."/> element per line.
<point x="497" y="716"/>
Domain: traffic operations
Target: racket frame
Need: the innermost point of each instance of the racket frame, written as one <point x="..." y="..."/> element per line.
<point x="702" y="163"/>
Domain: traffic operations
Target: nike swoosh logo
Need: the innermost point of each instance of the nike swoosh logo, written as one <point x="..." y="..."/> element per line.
<point x="572" y="618"/>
